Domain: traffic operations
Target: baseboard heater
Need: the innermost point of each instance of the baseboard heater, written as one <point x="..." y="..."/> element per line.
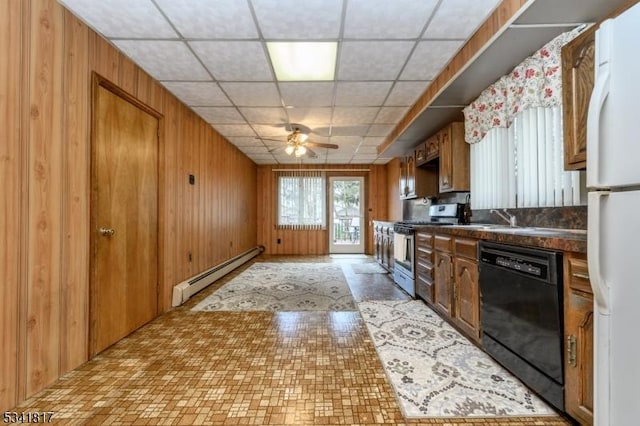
<point x="183" y="291"/>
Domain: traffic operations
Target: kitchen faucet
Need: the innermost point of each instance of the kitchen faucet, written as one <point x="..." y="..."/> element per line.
<point x="511" y="218"/>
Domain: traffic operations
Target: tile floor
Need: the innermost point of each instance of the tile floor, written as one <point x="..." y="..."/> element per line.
<point x="241" y="368"/>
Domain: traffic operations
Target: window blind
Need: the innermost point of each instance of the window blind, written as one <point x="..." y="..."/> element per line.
<point x="301" y="200"/>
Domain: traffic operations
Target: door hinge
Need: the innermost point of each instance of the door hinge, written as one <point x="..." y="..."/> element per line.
<point x="571" y="350"/>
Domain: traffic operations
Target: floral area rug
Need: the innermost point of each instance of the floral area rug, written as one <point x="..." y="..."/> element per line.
<point x="280" y="287"/>
<point x="436" y="372"/>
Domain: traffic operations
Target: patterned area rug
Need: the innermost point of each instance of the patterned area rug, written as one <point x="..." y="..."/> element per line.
<point x="368" y="268"/>
<point x="280" y="287"/>
<point x="436" y="372"/>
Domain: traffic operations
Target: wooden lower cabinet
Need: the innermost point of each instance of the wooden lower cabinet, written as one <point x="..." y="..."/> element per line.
<point x="383" y="244"/>
<point x="578" y="339"/>
<point x="455" y="284"/>
<point x="466" y="301"/>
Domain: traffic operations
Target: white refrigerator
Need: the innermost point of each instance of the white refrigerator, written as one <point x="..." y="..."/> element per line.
<point x="613" y="181"/>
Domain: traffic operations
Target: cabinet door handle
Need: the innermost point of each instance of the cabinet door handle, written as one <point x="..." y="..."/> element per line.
<point x="571" y="350"/>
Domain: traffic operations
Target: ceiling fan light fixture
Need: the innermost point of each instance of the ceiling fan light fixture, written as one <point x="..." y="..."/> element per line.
<point x="289" y="149"/>
<point x="303" y="61"/>
<point x="300" y="151"/>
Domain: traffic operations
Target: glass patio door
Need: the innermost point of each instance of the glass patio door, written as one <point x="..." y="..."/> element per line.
<point x="346" y="216"/>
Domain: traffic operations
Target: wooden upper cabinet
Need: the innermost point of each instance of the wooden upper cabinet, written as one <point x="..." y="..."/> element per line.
<point x="578" y="58"/>
<point x="421" y="154"/>
<point x="432" y="148"/>
<point x="454" y="158"/>
<point x="417" y="182"/>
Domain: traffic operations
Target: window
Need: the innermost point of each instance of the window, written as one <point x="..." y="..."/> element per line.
<point x="301" y="200"/>
<point x="522" y="166"/>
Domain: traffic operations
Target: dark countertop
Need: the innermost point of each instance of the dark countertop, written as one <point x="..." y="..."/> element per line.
<point x="556" y="239"/>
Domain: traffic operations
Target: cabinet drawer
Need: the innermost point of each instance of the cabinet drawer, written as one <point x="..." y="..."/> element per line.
<point x="425" y="254"/>
<point x="424" y="239"/>
<point x="443" y="243"/>
<point x="424" y="270"/>
<point x="578" y="275"/>
<point x="424" y="288"/>
<point x="467" y="248"/>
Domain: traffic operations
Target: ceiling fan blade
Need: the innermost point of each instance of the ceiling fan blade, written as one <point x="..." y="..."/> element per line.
<point x="322" y="145"/>
<point x="311" y="153"/>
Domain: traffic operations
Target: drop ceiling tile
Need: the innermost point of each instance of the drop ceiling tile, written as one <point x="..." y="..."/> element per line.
<point x="198" y="94"/>
<point x="390" y="115"/>
<point x="263" y="161"/>
<point x="373" y="140"/>
<point x="346" y="140"/>
<point x="361" y="93"/>
<point x="220" y="115"/>
<point x="380" y="129"/>
<point x="349" y="130"/>
<point x="459" y="18"/>
<point x="122" y="18"/>
<point x="362" y="160"/>
<point x="229" y="19"/>
<point x="164" y="60"/>
<point x="234" y="60"/>
<point x="354" y="115"/>
<point x="382" y="19"/>
<point x="318" y="116"/>
<point x="338" y="160"/>
<point x="245" y="141"/>
<point x="313" y="19"/>
<point x="271" y="131"/>
<point x="364" y="150"/>
<point x="264" y="115"/>
<point x="230" y="130"/>
<point x="405" y="93"/>
<point x="307" y="94"/>
<point x="373" y="60"/>
<point x="255" y="150"/>
<point x="252" y="94"/>
<point x="429" y="58"/>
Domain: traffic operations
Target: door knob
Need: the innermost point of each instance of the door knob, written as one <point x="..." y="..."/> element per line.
<point x="107" y="232"/>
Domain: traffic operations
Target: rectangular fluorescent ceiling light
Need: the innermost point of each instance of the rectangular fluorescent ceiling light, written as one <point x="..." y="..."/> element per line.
<point x="303" y="61"/>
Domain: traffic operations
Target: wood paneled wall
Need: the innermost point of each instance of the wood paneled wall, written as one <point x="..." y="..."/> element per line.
<point x="393" y="191"/>
<point x="303" y="242"/>
<point x="45" y="95"/>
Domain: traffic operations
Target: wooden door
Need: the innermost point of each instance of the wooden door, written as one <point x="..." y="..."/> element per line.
<point x="578" y="80"/>
<point x="124" y="218"/>
<point x="467" y="305"/>
<point x="442" y="282"/>
<point x="578" y="330"/>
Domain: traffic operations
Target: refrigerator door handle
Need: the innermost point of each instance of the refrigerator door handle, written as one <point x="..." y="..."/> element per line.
<point x="600" y="288"/>
<point x="600" y="93"/>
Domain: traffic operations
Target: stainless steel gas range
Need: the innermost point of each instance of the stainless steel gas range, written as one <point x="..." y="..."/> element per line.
<point x="404" y="248"/>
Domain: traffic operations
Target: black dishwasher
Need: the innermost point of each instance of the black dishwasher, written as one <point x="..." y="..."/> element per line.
<point x="521" y="314"/>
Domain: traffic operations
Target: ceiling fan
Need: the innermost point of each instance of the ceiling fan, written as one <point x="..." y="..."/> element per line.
<point x="298" y="143"/>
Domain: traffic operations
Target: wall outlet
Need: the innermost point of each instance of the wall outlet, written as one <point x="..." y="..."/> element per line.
<point x="279" y="240"/>
<point x="192" y="179"/>
<point x="190" y="256"/>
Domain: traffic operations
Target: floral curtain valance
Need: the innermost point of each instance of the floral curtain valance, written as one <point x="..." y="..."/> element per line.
<point x="536" y="82"/>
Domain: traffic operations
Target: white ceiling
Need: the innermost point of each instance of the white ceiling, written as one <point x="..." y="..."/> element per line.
<point x="212" y="55"/>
